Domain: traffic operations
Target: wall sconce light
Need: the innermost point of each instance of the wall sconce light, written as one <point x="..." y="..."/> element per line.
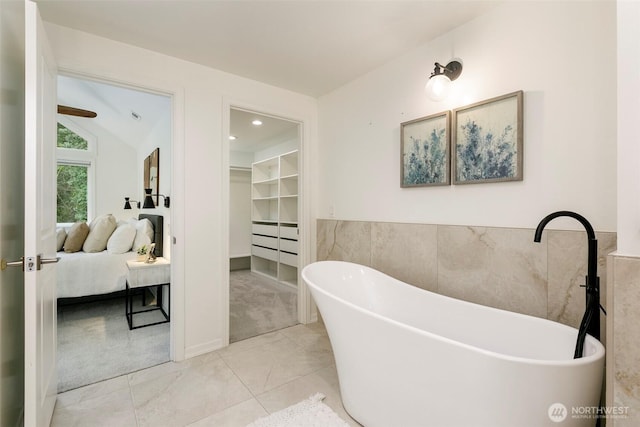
<point x="439" y="83"/>
<point x="127" y="205"/>
<point x="148" y="199"/>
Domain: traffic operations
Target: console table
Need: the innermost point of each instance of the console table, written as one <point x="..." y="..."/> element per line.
<point x="142" y="275"/>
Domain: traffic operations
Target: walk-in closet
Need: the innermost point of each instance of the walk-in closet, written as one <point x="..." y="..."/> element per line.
<point x="264" y="187"/>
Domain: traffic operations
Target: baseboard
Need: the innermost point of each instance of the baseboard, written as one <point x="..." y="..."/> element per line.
<point x="199" y="349"/>
<point x="240" y="263"/>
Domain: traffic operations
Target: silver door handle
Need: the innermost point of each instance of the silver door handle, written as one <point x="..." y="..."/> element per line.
<point x="28" y="263"/>
<point x="4" y="263"/>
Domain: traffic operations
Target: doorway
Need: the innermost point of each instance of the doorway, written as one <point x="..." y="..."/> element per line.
<point x="264" y="199"/>
<point x="132" y="125"/>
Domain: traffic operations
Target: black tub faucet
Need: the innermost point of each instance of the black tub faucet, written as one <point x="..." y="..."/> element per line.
<point x="591" y="320"/>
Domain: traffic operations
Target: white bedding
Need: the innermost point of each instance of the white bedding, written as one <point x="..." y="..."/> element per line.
<point x="83" y="274"/>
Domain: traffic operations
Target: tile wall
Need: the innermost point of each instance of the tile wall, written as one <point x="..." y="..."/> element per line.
<point x="498" y="267"/>
<point x="623" y="340"/>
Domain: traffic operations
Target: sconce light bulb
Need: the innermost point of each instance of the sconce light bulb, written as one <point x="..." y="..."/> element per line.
<point x="438" y="87"/>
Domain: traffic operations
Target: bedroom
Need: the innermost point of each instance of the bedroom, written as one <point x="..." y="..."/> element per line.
<point x="106" y="164"/>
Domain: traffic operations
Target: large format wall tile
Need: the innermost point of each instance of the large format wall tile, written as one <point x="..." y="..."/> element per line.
<point x="567" y="268"/>
<point x="407" y="252"/>
<point x="497" y="267"/>
<point x="344" y="241"/>
<point x="626" y="338"/>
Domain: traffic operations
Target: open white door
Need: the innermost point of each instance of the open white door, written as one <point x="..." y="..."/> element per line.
<point x="39" y="223"/>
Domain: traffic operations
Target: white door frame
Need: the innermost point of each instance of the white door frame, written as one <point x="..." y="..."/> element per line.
<point x="306" y="312"/>
<point x="176" y="94"/>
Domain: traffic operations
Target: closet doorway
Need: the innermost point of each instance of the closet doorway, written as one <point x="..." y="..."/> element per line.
<point x="264" y="199"/>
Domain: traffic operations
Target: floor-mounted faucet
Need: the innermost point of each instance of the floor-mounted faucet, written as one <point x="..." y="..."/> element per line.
<point x="591" y="320"/>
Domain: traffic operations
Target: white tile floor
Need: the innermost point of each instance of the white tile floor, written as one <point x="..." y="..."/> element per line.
<point x="229" y="387"/>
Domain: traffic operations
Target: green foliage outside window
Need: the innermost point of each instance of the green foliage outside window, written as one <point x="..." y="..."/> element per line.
<point x="68" y="139"/>
<point x="72" y="181"/>
<point x="72" y="193"/>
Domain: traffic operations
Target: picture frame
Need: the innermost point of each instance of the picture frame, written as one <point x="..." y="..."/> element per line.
<point x="487" y="141"/>
<point x="425" y="151"/>
<point x="152" y="174"/>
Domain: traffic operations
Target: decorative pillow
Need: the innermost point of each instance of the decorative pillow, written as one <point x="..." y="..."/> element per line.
<point x="76" y="237"/>
<point x="101" y="229"/>
<point x="144" y="233"/>
<point x="122" y="239"/>
<point x="61" y="236"/>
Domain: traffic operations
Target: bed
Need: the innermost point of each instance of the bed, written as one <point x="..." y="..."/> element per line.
<point x="82" y="274"/>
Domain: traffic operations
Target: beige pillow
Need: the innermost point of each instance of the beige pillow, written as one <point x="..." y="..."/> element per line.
<point x="101" y="229"/>
<point x="61" y="236"/>
<point x="76" y="237"/>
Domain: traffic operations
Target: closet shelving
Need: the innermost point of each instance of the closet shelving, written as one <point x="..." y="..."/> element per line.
<point x="274" y="200"/>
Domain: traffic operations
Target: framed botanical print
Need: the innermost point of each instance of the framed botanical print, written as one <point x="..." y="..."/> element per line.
<point x="424" y="151"/>
<point x="487" y="141"/>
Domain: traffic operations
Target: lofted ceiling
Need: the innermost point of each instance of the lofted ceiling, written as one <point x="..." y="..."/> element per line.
<point x="115" y="107"/>
<point x="307" y="46"/>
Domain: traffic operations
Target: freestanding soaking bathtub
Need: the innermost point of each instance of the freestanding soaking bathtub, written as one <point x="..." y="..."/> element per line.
<point x="407" y="357"/>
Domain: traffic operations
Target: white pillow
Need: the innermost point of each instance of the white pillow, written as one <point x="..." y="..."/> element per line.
<point x="121" y="240"/>
<point x="100" y="230"/>
<point x="61" y="236"/>
<point x="144" y="233"/>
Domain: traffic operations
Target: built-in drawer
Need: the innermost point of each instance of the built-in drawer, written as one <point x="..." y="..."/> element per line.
<point x="265" y="229"/>
<point x="289" y="259"/>
<point x="268" y="242"/>
<point x="289" y="232"/>
<point x="270" y="254"/>
<point x="289" y="245"/>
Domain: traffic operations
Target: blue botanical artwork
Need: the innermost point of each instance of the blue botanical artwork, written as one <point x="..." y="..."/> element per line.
<point x="488" y="142"/>
<point x="425" y="151"/>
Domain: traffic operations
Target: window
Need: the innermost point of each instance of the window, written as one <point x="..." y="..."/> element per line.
<point x="72" y="193"/>
<point x="74" y="174"/>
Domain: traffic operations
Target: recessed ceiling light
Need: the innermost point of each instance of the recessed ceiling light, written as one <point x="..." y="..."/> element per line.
<point x="232" y="137"/>
<point x="256" y="122"/>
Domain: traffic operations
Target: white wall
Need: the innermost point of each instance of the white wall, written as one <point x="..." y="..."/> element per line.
<point x="289" y="141"/>
<point x="240" y="213"/>
<point x="160" y="137"/>
<point x="240" y="159"/>
<point x="200" y="226"/>
<point x="556" y="52"/>
<point x="628" y="114"/>
<point x="115" y="170"/>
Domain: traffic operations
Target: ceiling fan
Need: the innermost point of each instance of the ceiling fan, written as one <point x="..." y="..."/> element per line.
<point x="71" y="111"/>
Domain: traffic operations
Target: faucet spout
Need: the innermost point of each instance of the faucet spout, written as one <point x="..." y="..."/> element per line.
<point x="591" y="235"/>
<point x="591" y="319"/>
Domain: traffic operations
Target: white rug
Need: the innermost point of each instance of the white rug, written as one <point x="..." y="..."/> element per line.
<point x="308" y="413"/>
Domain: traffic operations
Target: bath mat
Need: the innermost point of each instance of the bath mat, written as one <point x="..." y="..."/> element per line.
<point x="308" y="413"/>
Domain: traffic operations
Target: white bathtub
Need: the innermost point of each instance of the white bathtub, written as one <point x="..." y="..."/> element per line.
<point x="407" y="357"/>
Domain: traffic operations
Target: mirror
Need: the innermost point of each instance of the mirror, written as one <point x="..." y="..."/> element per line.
<point x="152" y="174"/>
